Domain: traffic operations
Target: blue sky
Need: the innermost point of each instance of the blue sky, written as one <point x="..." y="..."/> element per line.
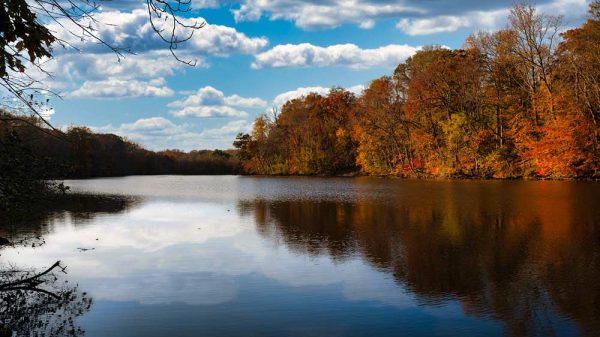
<point x="251" y="56"/>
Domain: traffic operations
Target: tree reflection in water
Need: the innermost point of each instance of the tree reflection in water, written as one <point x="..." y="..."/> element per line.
<point x="517" y="255"/>
<point x="40" y="304"/>
<point x="45" y="303"/>
<point x="31" y="225"/>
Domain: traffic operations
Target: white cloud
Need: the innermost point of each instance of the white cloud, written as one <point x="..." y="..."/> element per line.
<point x="572" y="10"/>
<point x="152" y="126"/>
<point x="323" y="14"/>
<point x="347" y="55"/>
<point x="159" y="133"/>
<point x="282" y="98"/>
<point x="204" y="96"/>
<point x="211" y="102"/>
<point x="252" y="102"/>
<point x="447" y="23"/>
<point x="209" y="111"/>
<point x="133" y="31"/>
<point x="223" y="41"/>
<point x="47" y="112"/>
<point x="145" y="130"/>
<point x="67" y="72"/>
<point x="227" y="131"/>
<point x="199" y="261"/>
<point x="419" y="17"/>
<point x="101" y="66"/>
<point x="122" y="88"/>
<point x="367" y="24"/>
<point x="131" y="4"/>
<point x="211" y="96"/>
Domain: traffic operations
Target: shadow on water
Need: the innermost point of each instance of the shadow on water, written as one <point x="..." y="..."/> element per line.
<point x="44" y="302"/>
<point x="40" y="303"/>
<point x="31" y="225"/>
<point x="525" y="254"/>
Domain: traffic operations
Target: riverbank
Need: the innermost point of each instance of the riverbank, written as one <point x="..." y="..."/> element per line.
<point x="431" y="177"/>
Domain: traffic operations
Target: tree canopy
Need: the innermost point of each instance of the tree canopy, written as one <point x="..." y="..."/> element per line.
<point x="523" y="101"/>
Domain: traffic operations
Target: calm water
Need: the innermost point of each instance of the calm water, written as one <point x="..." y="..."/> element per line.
<point x="242" y="256"/>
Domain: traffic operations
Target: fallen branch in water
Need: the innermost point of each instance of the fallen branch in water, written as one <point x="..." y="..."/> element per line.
<point x="40" y="303"/>
<point x="31" y="283"/>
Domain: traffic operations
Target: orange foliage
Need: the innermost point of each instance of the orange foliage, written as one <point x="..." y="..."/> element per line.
<point x="492" y="109"/>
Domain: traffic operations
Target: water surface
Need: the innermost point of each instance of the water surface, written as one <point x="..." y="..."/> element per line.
<point x="258" y="256"/>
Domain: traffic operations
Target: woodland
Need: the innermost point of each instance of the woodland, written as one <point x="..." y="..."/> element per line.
<point x="520" y="102"/>
<point x="33" y="156"/>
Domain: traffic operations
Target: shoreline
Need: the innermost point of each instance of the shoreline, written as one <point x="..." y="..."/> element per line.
<point x="440" y="178"/>
<point x="389" y="176"/>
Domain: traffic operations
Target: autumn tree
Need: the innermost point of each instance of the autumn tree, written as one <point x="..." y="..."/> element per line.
<point x="537" y="38"/>
<point x="443" y="84"/>
<point x="579" y="82"/>
<point x="383" y="131"/>
<point x="517" y="102"/>
<point x="504" y="100"/>
<point x="336" y="115"/>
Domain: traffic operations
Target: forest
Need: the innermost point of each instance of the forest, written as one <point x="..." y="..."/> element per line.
<point x="520" y="102"/>
<point x="32" y="155"/>
<point x="80" y="153"/>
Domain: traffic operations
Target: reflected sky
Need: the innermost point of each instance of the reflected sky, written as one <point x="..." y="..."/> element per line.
<point x="241" y="256"/>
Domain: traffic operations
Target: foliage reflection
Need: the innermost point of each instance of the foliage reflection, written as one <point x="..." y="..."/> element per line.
<point x="44" y="302"/>
<point x="526" y="254"/>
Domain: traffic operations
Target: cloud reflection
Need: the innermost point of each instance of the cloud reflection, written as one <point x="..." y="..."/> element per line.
<point x="510" y="252"/>
<point x="166" y="251"/>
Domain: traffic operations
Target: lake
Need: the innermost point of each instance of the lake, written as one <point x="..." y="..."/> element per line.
<point x="267" y="256"/>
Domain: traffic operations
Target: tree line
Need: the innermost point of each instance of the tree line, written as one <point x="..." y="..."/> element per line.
<point x="32" y="156"/>
<point x="80" y="153"/>
<point x="523" y="101"/>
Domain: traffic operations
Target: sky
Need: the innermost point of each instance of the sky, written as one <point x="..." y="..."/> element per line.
<point x="251" y="57"/>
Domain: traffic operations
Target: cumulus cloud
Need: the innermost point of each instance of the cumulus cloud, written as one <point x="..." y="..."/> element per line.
<point x="252" y="102"/>
<point x="122" y="88"/>
<point x="127" y="5"/>
<point x="160" y="133"/>
<point x="211" y="102"/>
<point x="145" y="129"/>
<point x="209" y="111"/>
<point x="367" y="24"/>
<point x="211" y="96"/>
<point x="223" y="40"/>
<point x="133" y="31"/>
<point x="282" y="98"/>
<point x="227" y="131"/>
<point x="448" y="23"/>
<point x="229" y="247"/>
<point x="573" y="11"/>
<point x="73" y="67"/>
<point x="152" y="126"/>
<point x="346" y="55"/>
<point x="68" y="72"/>
<point x="323" y="14"/>
<point x="414" y="16"/>
<point x="489" y="19"/>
